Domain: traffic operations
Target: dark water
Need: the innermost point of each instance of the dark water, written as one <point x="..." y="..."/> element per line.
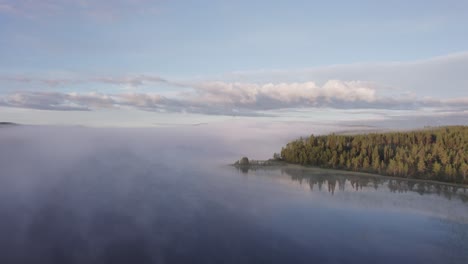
<point x="73" y="195"/>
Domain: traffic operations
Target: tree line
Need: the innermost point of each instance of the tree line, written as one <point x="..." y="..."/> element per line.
<point x="438" y="154"/>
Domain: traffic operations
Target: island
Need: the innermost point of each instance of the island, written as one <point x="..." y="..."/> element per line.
<point x="7" y="123"/>
<point x="435" y="154"/>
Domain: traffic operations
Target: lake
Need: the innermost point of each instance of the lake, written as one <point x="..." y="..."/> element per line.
<point x="81" y="195"/>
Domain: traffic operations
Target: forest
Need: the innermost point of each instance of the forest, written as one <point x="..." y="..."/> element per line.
<point x="438" y="153"/>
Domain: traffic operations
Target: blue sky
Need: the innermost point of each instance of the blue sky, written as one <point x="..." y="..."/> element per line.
<point x="210" y="59"/>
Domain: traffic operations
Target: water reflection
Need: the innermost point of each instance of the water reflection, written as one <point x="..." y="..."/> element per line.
<point x="121" y="196"/>
<point x="334" y="181"/>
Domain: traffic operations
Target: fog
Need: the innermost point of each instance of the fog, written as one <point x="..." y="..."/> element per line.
<point x="166" y="195"/>
<point x="108" y="195"/>
<point x="173" y="146"/>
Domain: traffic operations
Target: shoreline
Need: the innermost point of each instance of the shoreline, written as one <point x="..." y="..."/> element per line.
<point x="283" y="164"/>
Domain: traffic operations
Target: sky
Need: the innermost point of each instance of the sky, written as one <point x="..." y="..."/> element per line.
<point x="146" y="63"/>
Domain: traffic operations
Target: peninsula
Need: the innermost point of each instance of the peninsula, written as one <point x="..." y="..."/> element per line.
<point x="438" y="154"/>
<point x="435" y="154"/>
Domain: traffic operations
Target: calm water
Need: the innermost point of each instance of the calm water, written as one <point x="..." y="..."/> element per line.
<point x="74" y="195"/>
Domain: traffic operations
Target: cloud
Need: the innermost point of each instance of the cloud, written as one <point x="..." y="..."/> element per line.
<point x="333" y="94"/>
<point x="399" y="82"/>
<point x="57" y="101"/>
<point x="442" y="76"/>
<point x="282" y="95"/>
<point x="42" y="101"/>
<point x="251" y="99"/>
<point x="130" y="80"/>
<point x="438" y="84"/>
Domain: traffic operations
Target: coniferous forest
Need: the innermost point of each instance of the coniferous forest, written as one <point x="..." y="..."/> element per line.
<point x="438" y="154"/>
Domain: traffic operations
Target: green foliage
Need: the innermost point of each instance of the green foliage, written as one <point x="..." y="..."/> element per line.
<point x="433" y="154"/>
<point x="244" y="161"/>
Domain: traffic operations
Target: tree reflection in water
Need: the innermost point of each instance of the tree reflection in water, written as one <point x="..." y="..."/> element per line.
<point x="360" y="182"/>
<point x="317" y="178"/>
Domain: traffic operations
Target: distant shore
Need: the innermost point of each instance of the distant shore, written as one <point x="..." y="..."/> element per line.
<point x="8" y="124"/>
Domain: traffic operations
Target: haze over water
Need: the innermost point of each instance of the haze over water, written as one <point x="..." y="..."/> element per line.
<point x="166" y="195"/>
<point x="131" y="111"/>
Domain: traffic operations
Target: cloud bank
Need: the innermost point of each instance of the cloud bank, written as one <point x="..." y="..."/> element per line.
<point x="438" y="84"/>
<point x="236" y="98"/>
<point x="440" y="76"/>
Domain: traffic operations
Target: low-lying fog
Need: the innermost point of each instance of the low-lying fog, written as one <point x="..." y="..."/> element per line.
<point x="165" y="195"/>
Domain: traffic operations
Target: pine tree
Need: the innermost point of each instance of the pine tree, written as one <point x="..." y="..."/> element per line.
<point x="437" y="154"/>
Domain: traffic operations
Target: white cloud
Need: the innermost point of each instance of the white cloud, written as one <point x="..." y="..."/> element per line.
<point x="224" y="98"/>
<point x="438" y="83"/>
<point x="349" y="91"/>
<point x="281" y="95"/>
<point x="443" y="76"/>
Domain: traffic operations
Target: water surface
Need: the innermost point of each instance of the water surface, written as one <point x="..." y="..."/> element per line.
<point x="155" y="196"/>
